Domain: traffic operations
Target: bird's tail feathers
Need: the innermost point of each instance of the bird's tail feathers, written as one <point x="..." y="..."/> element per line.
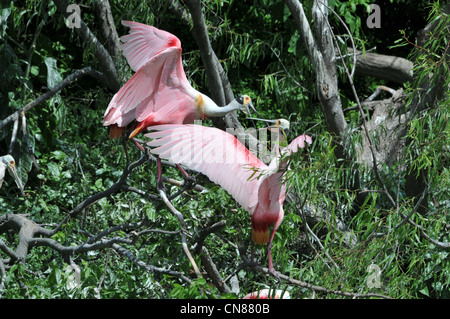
<point x="115" y="131"/>
<point x="260" y="237"/>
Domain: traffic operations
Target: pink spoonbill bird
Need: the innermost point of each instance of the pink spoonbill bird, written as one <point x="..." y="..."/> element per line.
<point x="159" y="92"/>
<point x="257" y="187"/>
<point x="268" y="294"/>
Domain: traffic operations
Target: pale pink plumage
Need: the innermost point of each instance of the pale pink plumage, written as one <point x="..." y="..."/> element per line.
<point x="257" y="187"/>
<point x="268" y="294"/>
<point x="144" y="42"/>
<point x="159" y="92"/>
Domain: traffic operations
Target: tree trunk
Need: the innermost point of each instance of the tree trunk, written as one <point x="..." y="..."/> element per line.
<point x="102" y="55"/>
<point x="322" y="55"/>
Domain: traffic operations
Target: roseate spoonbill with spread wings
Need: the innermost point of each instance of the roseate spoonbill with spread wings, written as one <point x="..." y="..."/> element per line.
<point x="257" y="187"/>
<point x="268" y="294"/>
<point x="8" y="162"/>
<point x="159" y="92"/>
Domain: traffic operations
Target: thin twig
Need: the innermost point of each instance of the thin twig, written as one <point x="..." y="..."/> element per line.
<point x="303" y="284"/>
<point x="180" y="217"/>
<point x="125" y="252"/>
<point x="366" y="130"/>
<point x="14" y="136"/>
<point x="378" y="91"/>
<point x="69" y="79"/>
<point x="212" y="271"/>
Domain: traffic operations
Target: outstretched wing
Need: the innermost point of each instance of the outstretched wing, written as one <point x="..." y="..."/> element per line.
<point x="298" y="142"/>
<point x="144" y="42"/>
<point x="273" y="187"/>
<point x="213" y="152"/>
<point x="159" y="87"/>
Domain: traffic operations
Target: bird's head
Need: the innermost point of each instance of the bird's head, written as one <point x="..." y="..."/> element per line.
<point x="10" y="163"/>
<point x="246" y="104"/>
<point x="279" y="124"/>
<point x="283" y="125"/>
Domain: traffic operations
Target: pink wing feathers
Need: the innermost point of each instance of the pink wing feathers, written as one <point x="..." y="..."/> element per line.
<point x="213" y="152"/>
<point x="144" y="42"/>
<point x="159" y="88"/>
<point x="276" y="186"/>
<point x="298" y="142"/>
<point x="268" y="294"/>
<point x="226" y="162"/>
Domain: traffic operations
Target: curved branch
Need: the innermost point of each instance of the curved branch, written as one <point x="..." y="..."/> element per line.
<point x="303" y="284"/>
<point x="69" y="79"/>
<point x="114" y="188"/>
<point x="147" y="267"/>
<point x="180" y="217"/>
<point x="387" y="67"/>
<point x="103" y="56"/>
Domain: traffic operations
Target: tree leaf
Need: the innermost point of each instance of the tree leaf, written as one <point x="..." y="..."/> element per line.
<point x="53" y="76"/>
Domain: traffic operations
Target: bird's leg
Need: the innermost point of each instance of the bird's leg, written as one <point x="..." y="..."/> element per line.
<point x="252" y="255"/>
<point x="188" y="180"/>
<point x="269" y="249"/>
<point x="138" y="145"/>
<point x="124" y="144"/>
<point x="159" y="182"/>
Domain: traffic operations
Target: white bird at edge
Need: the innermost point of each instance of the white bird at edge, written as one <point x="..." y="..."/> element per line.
<point x="8" y="162"/>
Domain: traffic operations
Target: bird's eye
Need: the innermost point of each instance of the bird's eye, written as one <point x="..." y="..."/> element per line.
<point x="11" y="163"/>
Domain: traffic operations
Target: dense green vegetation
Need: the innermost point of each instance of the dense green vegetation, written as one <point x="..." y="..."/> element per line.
<point x="264" y="57"/>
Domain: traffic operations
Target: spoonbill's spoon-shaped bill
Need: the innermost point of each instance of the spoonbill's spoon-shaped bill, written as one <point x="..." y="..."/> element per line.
<point x="282" y="124"/>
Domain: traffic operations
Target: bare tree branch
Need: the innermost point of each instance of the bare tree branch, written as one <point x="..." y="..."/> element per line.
<point x="322" y="54"/>
<point x="206" y="51"/>
<point x="292" y="281"/>
<point x="219" y="84"/>
<point x="180" y="217"/>
<point x="3" y="276"/>
<point x="84" y="71"/>
<point x="227" y="90"/>
<point x="103" y="56"/>
<point x="212" y="271"/>
<point x="381" y="66"/>
<point x="124" y="252"/>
